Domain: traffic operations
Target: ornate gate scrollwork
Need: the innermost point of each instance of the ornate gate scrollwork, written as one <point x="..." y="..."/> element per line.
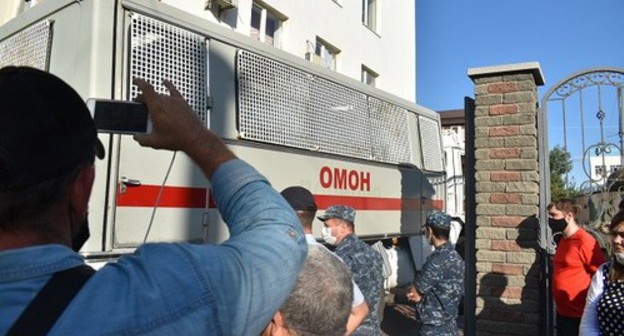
<point x="590" y="103"/>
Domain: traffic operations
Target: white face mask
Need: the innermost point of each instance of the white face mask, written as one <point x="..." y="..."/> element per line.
<point x="327" y="236"/>
<point x="619" y="257"/>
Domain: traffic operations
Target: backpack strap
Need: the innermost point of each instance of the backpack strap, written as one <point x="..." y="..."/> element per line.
<point x="45" y="309"/>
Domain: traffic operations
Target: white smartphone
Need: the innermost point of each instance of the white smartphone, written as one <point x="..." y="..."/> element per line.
<point x="119" y="116"/>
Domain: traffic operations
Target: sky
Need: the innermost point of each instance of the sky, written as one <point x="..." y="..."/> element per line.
<point x="564" y="37"/>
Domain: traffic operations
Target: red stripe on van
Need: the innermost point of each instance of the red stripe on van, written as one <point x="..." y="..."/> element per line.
<point x="172" y="197"/>
<point x="186" y="197"/>
<point x="376" y="203"/>
<point x="358" y="202"/>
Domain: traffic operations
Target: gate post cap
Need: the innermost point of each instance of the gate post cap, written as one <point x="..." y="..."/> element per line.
<point x="509" y="69"/>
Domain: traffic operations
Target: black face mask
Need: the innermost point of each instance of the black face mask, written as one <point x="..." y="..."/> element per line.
<point x="557" y="225"/>
<point x="82" y="236"/>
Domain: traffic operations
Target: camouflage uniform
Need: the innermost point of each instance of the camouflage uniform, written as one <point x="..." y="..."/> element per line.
<point x="365" y="263"/>
<point x="441" y="283"/>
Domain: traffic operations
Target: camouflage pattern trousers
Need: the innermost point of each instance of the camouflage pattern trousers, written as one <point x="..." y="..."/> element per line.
<point x="448" y="329"/>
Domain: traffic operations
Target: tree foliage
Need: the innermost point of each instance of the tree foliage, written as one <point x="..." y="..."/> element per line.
<point x="560" y="165"/>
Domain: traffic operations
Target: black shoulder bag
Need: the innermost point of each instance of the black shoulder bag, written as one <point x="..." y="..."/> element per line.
<point x="43" y="311"/>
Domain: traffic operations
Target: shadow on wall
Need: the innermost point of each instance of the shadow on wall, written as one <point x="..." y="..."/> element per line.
<point x="510" y="293"/>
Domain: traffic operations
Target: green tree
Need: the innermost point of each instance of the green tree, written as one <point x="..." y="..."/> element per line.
<point x="560" y="165"/>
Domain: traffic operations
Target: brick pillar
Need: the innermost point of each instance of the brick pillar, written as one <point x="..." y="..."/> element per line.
<point x="507" y="199"/>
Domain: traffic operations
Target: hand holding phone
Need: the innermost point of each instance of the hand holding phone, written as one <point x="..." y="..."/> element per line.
<point x="119" y="117"/>
<point x="177" y="127"/>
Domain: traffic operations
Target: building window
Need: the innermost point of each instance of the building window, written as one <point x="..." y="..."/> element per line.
<point x="369" y="76"/>
<point x="266" y="25"/>
<point x="326" y="53"/>
<point x="599" y="170"/>
<point x="614" y="168"/>
<point x="369" y="14"/>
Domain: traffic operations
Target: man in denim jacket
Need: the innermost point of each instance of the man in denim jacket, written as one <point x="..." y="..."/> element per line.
<point x="47" y="147"/>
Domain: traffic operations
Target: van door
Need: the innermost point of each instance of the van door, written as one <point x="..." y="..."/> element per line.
<point x="161" y="195"/>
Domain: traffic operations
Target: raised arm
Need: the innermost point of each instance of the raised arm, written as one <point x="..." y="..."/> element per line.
<point x="251" y="274"/>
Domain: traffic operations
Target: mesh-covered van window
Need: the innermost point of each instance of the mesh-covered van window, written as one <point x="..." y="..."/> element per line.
<point x="390" y="134"/>
<point x="431" y="144"/>
<point x="30" y="47"/>
<point x="159" y="50"/>
<point x="283" y="105"/>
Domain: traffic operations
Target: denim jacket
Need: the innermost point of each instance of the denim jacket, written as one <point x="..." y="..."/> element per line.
<point x="177" y="289"/>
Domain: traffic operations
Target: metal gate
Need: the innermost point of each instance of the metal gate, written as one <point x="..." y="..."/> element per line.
<point x="583" y="116"/>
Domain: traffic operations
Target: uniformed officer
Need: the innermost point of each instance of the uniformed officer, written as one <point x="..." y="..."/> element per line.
<point x="364" y="262"/>
<point x="438" y="287"/>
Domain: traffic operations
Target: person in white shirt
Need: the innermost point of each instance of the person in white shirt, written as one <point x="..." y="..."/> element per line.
<point x="302" y="201"/>
<point x="604" y="308"/>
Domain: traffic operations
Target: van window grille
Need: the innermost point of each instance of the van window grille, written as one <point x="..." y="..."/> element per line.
<point x="343" y="123"/>
<point x="431" y="144"/>
<point x="390" y="134"/>
<point x="286" y="106"/>
<point x="269" y="102"/>
<point x="159" y="50"/>
<point x="283" y="105"/>
<point x="30" y="47"/>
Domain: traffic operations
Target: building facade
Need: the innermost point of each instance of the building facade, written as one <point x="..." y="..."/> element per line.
<point x="601" y="170"/>
<point x="453" y="143"/>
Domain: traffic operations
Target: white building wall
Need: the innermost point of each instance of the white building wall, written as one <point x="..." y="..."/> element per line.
<point x="611" y="164"/>
<point x="9" y="9"/>
<point x="453" y="143"/>
<point x="390" y="51"/>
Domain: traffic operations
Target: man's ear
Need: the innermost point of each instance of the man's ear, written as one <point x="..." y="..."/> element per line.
<point x="277" y="326"/>
<point x="80" y="190"/>
<point x="278" y="318"/>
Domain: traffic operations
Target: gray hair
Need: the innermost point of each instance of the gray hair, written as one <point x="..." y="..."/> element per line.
<point x="320" y="303"/>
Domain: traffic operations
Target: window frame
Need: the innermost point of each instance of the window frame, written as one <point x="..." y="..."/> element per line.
<point x="370" y="19"/>
<point x="367" y="73"/>
<point x="326" y="48"/>
<point x="266" y="13"/>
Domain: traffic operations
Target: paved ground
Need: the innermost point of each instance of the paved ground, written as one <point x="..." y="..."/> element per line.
<point x="399" y="320"/>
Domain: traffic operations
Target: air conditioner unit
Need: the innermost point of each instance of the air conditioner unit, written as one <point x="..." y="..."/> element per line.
<point x="314" y="58"/>
<point x="222" y="4"/>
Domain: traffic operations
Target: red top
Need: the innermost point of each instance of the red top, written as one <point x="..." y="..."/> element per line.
<point x="576" y="260"/>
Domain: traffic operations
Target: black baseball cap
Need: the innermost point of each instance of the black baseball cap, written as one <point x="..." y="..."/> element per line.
<point x="45" y="128"/>
<point x="299" y="198"/>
